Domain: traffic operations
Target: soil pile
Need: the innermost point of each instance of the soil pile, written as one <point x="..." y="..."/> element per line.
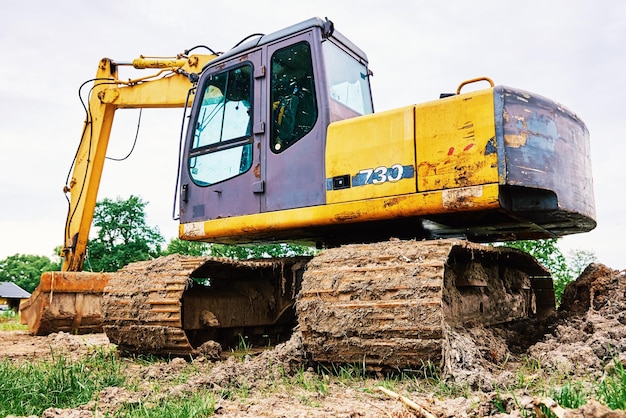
<point x="590" y="330"/>
<point x="587" y="332"/>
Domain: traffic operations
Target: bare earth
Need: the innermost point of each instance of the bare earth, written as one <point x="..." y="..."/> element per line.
<point x="485" y="367"/>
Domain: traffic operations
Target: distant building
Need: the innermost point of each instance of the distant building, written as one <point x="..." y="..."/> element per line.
<point x="11" y="295"/>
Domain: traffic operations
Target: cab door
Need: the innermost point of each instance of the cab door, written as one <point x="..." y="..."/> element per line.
<point x="221" y="165"/>
<point x="294" y="139"/>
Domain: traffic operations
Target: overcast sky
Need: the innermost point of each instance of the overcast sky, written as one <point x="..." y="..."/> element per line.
<point x="569" y="50"/>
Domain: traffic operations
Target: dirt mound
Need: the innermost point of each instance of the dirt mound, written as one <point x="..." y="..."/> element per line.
<point x="599" y="289"/>
<point x="591" y="325"/>
<point x="587" y="332"/>
<point x="251" y="371"/>
<point x="21" y="346"/>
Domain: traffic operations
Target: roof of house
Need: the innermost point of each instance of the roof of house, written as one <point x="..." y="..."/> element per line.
<point x="11" y="290"/>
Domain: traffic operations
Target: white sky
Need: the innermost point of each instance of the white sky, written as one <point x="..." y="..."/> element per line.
<point x="569" y="50"/>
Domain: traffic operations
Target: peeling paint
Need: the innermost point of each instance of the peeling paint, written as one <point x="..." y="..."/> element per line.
<point x="491" y="147"/>
<point x="515" y="140"/>
<point x="460" y="198"/>
<point x="391" y="202"/>
<point x="193" y="229"/>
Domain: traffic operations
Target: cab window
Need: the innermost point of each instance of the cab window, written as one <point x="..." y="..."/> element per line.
<point x="348" y="83"/>
<point x="294" y="107"/>
<point x="222" y="142"/>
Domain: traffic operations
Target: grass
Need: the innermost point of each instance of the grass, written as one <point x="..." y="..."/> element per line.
<point x="243" y="349"/>
<point x="568" y="393"/>
<point x="10" y="321"/>
<point x="612" y="389"/>
<point x="199" y="404"/>
<point x="312" y="382"/>
<point x="30" y="388"/>
<point x="571" y="395"/>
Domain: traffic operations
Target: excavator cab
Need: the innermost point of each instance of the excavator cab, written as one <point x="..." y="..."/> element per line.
<point x="256" y="139"/>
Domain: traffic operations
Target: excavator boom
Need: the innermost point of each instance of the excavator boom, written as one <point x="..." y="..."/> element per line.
<point x="169" y="88"/>
<point x="70" y="300"/>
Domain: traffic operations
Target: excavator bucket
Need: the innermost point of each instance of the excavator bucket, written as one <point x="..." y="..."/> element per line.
<point x="65" y="301"/>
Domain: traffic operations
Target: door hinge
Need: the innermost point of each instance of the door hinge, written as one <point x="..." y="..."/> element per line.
<point x="258" y="187"/>
<point x="258" y="128"/>
<point x="259" y="72"/>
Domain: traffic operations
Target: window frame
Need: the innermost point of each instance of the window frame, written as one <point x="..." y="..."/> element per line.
<point x="312" y="94"/>
<point x="214" y="148"/>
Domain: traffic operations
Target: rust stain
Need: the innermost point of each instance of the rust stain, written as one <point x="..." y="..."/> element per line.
<point x="519" y="126"/>
<point x="347" y="216"/>
<point x="391" y="202"/>
<point x="426" y="169"/>
<point x="257" y="171"/>
<point x="461" y="198"/>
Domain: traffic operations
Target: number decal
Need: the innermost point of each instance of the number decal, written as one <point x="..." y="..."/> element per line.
<point x="367" y="173"/>
<point x="395" y="173"/>
<point x="382" y="174"/>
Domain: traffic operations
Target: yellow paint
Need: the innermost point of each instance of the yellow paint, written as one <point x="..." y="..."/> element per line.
<point x="452" y="139"/>
<point x="450" y="143"/>
<point x="379" y="140"/>
<point x="266" y="224"/>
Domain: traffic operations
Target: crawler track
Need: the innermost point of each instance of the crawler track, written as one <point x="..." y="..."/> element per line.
<point x="156" y="306"/>
<point x="389" y="304"/>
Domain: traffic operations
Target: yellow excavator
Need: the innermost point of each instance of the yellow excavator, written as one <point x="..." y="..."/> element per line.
<point x="282" y="144"/>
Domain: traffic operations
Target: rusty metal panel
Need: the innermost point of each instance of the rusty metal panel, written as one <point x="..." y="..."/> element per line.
<point x="546" y="146"/>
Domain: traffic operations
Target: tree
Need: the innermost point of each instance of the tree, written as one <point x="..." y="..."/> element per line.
<point x="548" y="253"/>
<point x="195" y="248"/>
<point x="123" y="236"/>
<point x="238" y="252"/>
<point x="244" y="252"/>
<point x="578" y="260"/>
<point x="25" y="270"/>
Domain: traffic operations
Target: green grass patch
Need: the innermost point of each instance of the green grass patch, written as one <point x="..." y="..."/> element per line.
<point x="612" y="389"/>
<point x="200" y="404"/>
<point x="30" y="388"/>
<point x="571" y="395"/>
<point x="10" y="321"/>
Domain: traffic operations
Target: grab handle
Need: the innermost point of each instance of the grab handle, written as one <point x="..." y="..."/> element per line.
<point x="473" y="80"/>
